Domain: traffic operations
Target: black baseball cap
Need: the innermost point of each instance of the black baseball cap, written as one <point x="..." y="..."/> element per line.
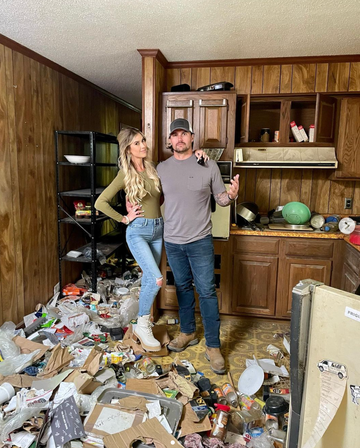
<point x="180" y="123"/>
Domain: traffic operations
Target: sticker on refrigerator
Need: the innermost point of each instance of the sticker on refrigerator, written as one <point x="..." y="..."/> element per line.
<point x="333" y="367"/>
<point x="355" y="394"/>
<point x="351" y="313"/>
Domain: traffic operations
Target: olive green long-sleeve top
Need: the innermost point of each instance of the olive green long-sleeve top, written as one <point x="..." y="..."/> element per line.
<point x="150" y="203"/>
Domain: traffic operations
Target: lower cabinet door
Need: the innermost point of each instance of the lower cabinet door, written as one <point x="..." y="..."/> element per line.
<point x="350" y="280"/>
<point x="254" y="285"/>
<point x="291" y="271"/>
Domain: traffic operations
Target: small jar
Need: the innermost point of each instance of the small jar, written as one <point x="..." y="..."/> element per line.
<point x="265" y="135"/>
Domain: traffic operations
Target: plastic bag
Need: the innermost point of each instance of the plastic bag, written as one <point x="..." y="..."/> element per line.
<point x="128" y="311"/>
<point x="16" y="421"/>
<point x="8" y="347"/>
<point x="18" y="363"/>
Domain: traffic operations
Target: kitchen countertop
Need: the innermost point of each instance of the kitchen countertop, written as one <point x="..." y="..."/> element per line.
<point x="294" y="234"/>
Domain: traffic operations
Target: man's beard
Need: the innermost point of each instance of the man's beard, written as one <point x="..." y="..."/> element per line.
<point x="181" y="150"/>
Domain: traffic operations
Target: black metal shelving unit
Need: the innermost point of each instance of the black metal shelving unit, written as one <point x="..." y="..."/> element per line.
<point x="108" y="243"/>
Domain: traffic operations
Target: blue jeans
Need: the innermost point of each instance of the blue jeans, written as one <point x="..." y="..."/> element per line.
<point x="195" y="262"/>
<point x="144" y="238"/>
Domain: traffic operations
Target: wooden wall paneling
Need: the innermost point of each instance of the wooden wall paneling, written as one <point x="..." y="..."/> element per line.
<point x="49" y="80"/>
<point x="8" y="285"/>
<point x="339" y="77"/>
<point x="41" y="209"/>
<point x="148" y="125"/>
<point x="185" y="76"/>
<point x="242" y="184"/>
<point x="219" y="74"/>
<point x="200" y="77"/>
<point x="271" y="82"/>
<point x="172" y="78"/>
<point x="250" y="186"/>
<point x="129" y="116"/>
<point x="262" y="189"/>
<point x="257" y="79"/>
<point x="27" y="176"/>
<point x="18" y="276"/>
<point x="354" y="82"/>
<point x="290" y="186"/>
<point x="160" y="75"/>
<point x="303" y="78"/>
<point x="320" y="191"/>
<point x="286" y="78"/>
<point x="306" y="186"/>
<point x="243" y="79"/>
<point x="88" y="109"/>
<point x="275" y="188"/>
<point x="356" y="200"/>
<point x="322" y="71"/>
<point x="338" y="192"/>
<point x="285" y="111"/>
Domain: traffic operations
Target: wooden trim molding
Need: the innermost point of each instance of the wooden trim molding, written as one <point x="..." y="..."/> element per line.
<point x="7" y="42"/>
<point x="265" y="61"/>
<point x="155" y="54"/>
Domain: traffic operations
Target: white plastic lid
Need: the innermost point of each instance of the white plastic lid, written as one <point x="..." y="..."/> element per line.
<point x="251" y="380"/>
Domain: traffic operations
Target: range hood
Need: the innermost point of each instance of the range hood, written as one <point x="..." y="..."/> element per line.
<point x="285" y="157"/>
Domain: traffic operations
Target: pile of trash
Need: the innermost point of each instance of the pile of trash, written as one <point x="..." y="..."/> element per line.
<point x="73" y="376"/>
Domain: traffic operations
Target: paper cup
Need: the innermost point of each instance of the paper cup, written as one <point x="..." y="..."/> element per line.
<point x="6" y="392"/>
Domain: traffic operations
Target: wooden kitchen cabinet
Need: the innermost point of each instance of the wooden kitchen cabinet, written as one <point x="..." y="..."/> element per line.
<point x="291" y="271"/>
<point x="211" y="114"/>
<point x="278" y="111"/>
<point x="348" y="143"/>
<point x="351" y="269"/>
<point x="254" y="285"/>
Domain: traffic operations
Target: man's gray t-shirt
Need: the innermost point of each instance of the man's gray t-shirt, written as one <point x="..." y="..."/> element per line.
<point x="187" y="187"/>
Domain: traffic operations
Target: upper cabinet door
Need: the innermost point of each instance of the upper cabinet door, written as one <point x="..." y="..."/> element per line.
<point x="174" y="107"/>
<point x="213" y="114"/>
<point x="348" y="147"/>
<point x="325" y="119"/>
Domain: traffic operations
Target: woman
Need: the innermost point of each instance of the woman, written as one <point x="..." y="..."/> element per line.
<point x="138" y="177"/>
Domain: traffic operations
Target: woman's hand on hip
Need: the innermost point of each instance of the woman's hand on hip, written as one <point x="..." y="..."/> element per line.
<point x="135" y="212"/>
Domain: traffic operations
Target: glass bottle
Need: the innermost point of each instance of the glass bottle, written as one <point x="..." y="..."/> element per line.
<point x="230" y="394"/>
<point x="220" y="422"/>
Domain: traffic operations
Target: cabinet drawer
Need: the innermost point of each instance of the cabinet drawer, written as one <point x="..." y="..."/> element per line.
<point x="352" y="258"/>
<point x="309" y="248"/>
<point x="256" y="245"/>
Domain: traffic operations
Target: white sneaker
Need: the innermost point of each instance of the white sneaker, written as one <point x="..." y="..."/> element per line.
<point x="143" y="332"/>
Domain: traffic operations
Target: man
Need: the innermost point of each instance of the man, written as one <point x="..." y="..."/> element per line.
<point x="187" y="187"/>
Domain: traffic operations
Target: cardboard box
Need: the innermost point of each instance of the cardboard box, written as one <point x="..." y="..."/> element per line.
<point x="105" y="419"/>
<point x="160" y="333"/>
<point x="149" y="432"/>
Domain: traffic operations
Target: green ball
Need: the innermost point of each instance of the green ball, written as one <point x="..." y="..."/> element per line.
<point x="296" y="213"/>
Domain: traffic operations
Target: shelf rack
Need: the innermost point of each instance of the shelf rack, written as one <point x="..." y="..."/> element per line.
<point x="108" y="243"/>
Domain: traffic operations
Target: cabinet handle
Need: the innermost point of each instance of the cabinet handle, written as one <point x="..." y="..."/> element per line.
<point x="178" y="104"/>
<point x="224" y="104"/>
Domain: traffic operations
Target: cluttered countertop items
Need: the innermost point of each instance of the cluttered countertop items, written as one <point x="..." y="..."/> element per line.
<point x="294" y="220"/>
<point x="73" y="376"/>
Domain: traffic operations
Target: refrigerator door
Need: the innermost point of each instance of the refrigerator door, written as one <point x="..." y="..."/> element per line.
<point x="327" y="344"/>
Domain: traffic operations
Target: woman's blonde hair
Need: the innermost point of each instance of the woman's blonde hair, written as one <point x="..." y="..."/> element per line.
<point x="134" y="183"/>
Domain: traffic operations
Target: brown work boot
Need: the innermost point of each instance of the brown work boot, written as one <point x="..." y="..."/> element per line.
<point x="182" y="341"/>
<point x="217" y="362"/>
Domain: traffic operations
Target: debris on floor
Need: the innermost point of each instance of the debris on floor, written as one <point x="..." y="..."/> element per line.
<point x="73" y="376"/>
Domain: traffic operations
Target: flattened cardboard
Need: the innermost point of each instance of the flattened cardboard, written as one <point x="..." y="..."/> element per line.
<point x="93" y="419"/>
<point x="17" y="380"/>
<point x="134" y="403"/>
<point x="145" y="385"/>
<point x="189" y="422"/>
<point x="60" y="358"/>
<point x="160" y="333"/>
<point x="85" y="383"/>
<point x="148" y="432"/>
<point x="27" y="347"/>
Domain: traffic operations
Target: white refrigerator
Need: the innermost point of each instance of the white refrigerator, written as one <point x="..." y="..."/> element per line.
<point x="324" y="368"/>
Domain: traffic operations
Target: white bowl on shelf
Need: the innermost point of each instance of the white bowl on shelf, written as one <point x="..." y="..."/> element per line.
<point x="77" y="159"/>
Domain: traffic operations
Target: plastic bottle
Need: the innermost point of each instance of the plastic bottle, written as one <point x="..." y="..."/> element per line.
<point x="230" y="394"/>
<point x="331" y="227"/>
<point x="146" y="365"/>
<point x="221" y="420"/>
